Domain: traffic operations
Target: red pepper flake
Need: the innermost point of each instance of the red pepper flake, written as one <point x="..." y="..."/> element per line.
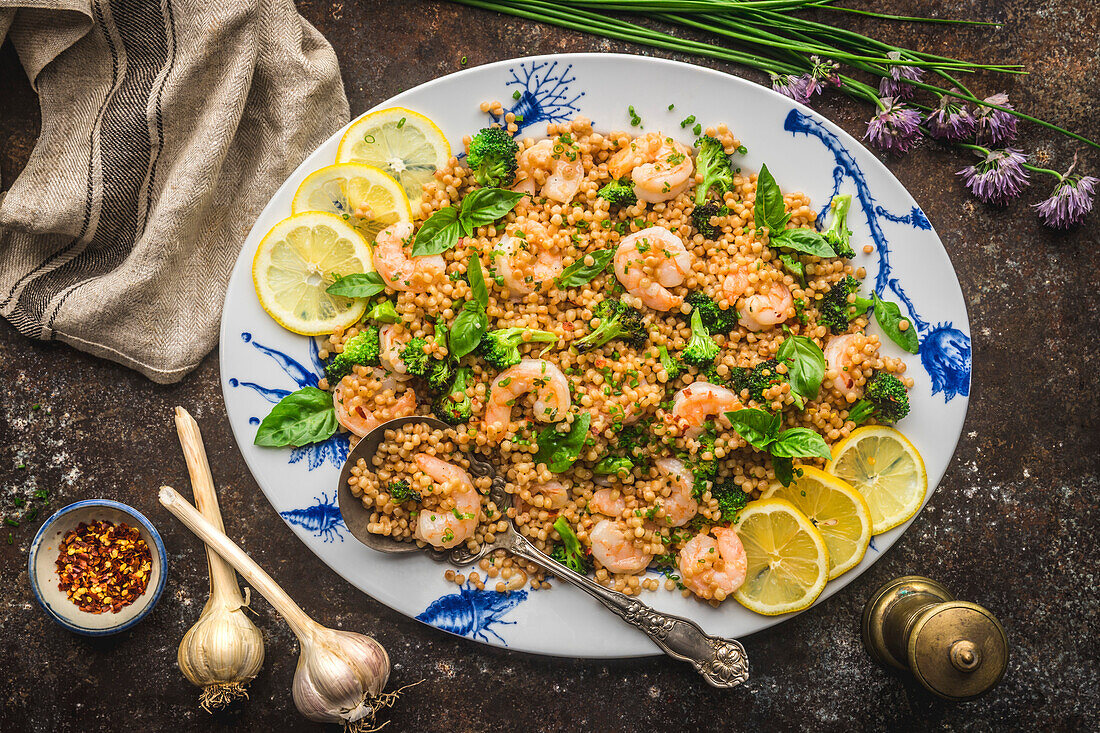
<point x="103" y="566"/>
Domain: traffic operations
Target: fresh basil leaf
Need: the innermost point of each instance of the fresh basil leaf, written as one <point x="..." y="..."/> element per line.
<point x="484" y="206"/>
<point x="805" y="365"/>
<point x="560" y="450"/>
<point x="613" y="464"/>
<point x="800" y="443"/>
<point x="358" y="285"/>
<point x="302" y="417"/>
<point x="469" y="326"/>
<point x="784" y="469"/>
<point x="806" y="241"/>
<point x="477" y="280"/>
<point x="794" y="266"/>
<point x="579" y="273"/>
<point x="756" y="426"/>
<point x="889" y="318"/>
<point x="769" y="210"/>
<point x="438" y="234"/>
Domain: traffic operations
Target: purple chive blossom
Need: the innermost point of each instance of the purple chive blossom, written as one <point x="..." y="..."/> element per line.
<point x="951" y="120"/>
<point x="993" y="125"/>
<point x="803" y="87"/>
<point x="792" y="86"/>
<point x="1070" y="202"/>
<point x="895" y="129"/>
<point x="897" y="84"/>
<point x="999" y="177"/>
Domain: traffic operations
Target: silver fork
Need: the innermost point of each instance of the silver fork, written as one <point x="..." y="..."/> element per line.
<point x="722" y="662"/>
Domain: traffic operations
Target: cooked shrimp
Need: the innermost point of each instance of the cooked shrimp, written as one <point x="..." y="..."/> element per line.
<point x="680" y="506"/>
<point x="607" y="501"/>
<point x="770" y="303"/>
<point x="696" y="402"/>
<point x="550" y="386"/>
<point x="714" y="569"/>
<point x="554" y="166"/>
<point x="649" y="262"/>
<point x="526" y="259"/>
<point x="355" y="414"/>
<point x="554" y="494"/>
<point x="398" y="268"/>
<point x="614" y="547"/>
<point x="449" y="528"/>
<point x="391" y="345"/>
<point x="660" y="167"/>
<point x="838" y="355"/>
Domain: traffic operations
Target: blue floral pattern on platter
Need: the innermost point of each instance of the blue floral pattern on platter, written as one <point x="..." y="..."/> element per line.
<point x="944" y="349"/>
<point x="544" y="94"/>
<point x="472" y="612"/>
<point x="334" y="450"/>
<point x="323" y="519"/>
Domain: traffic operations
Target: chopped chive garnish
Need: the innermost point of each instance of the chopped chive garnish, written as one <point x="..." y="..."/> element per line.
<point x="515" y="94"/>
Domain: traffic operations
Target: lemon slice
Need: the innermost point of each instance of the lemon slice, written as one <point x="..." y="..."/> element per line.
<point x="295" y="263"/>
<point x="788" y="562"/>
<point x="404" y="144"/>
<point x="884" y="466"/>
<point x="836" y="509"/>
<point x="360" y="194"/>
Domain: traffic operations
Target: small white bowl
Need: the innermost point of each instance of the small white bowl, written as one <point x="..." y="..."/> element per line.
<point x="45" y="581"/>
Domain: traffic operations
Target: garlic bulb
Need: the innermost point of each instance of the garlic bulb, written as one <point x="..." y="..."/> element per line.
<point x="340" y="674"/>
<point x="224" y="650"/>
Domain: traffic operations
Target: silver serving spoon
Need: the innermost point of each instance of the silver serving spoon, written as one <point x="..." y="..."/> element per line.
<point x="722" y="662"/>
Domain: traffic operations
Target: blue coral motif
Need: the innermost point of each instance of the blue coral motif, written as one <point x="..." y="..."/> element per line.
<point x="544" y="94"/>
<point x="335" y="449"/>
<point x="944" y="349"/>
<point x="472" y="612"/>
<point x="323" y="518"/>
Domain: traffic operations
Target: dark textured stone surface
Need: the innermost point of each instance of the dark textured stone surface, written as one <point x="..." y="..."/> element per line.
<point x="1011" y="526"/>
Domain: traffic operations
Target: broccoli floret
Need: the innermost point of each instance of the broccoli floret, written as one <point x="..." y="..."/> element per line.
<point x="884" y="398"/>
<point x="619" y="193"/>
<point x="701" y="215"/>
<point x="701" y="349"/>
<point x="492" y="158"/>
<point x="731" y="500"/>
<point x="757" y="379"/>
<point x="714" y="318"/>
<point x="835" y="311"/>
<point x="362" y="348"/>
<point x="453" y="405"/>
<point x="838" y="235"/>
<point x="400" y="491"/>
<point x="440" y="375"/>
<point x="416" y="360"/>
<point x="570" y="552"/>
<point x="617" y="321"/>
<point x="384" y="312"/>
<point x="712" y="162"/>
<point x="501" y="347"/>
<point x="671" y="366"/>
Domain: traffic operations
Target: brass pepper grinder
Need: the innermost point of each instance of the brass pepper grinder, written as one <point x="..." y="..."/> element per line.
<point x="957" y="650"/>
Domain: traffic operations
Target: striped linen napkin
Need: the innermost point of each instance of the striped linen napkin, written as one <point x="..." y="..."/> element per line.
<point x="166" y="127"/>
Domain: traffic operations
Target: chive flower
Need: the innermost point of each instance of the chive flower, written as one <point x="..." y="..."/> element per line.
<point x="950" y="121"/>
<point x="998" y="177"/>
<point x="895" y="128"/>
<point x="1069" y="203"/>
<point x="897" y="84"/>
<point x="792" y="86"/>
<point x="801" y="88"/>
<point x="994" y="126"/>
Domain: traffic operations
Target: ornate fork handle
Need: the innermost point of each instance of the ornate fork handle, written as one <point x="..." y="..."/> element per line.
<point x="722" y="662"/>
